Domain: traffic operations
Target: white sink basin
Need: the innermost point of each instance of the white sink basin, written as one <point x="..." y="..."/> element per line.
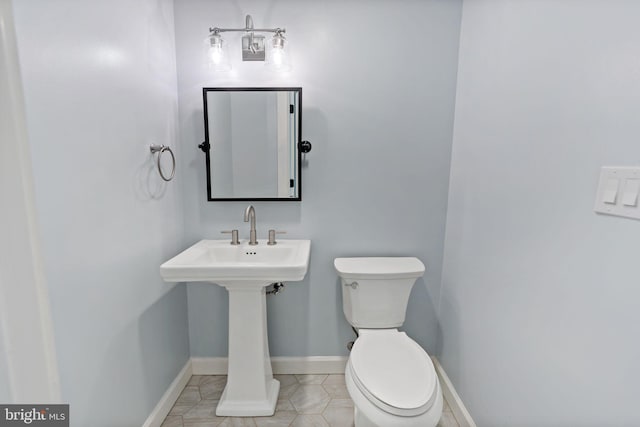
<point x="219" y="262"/>
<point x="245" y="271"/>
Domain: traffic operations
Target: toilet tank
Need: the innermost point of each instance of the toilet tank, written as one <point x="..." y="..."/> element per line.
<point x="375" y="290"/>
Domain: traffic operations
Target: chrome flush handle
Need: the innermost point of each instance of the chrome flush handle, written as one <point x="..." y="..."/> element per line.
<point x="353" y="285"/>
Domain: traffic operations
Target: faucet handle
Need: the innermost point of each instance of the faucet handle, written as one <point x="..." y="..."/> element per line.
<point x="234" y="236"/>
<point x="272" y="236"/>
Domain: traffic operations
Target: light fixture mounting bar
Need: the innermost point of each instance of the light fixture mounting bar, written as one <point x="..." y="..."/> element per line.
<point x="247" y="30"/>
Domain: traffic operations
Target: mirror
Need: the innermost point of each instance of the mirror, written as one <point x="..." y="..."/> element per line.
<point x="252" y="138"/>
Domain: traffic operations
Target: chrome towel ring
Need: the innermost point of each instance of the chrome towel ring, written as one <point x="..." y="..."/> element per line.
<point x="161" y="149"/>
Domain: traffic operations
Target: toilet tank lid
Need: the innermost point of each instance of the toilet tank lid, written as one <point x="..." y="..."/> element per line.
<point x="379" y="267"/>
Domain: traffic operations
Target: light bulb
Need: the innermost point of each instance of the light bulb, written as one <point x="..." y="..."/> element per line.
<point x="216" y="54"/>
<point x="277" y="56"/>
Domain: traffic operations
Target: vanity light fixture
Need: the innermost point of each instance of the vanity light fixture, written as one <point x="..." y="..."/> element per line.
<point x="253" y="47"/>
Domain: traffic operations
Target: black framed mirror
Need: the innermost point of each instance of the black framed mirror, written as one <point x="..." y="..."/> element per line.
<point x="252" y="143"/>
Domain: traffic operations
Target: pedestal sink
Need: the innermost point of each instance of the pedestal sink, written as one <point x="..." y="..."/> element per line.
<point x="245" y="271"/>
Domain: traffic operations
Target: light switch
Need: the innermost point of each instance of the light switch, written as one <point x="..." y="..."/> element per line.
<point x="610" y="192"/>
<point x="619" y="191"/>
<point x="630" y="192"/>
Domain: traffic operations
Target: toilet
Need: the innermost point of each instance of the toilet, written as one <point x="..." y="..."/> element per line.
<point x="390" y="378"/>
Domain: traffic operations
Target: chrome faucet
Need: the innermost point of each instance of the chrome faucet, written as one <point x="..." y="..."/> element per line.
<point x="250" y="213"/>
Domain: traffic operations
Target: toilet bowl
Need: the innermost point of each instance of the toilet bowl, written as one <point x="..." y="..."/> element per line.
<point x="390" y="378"/>
<point x="392" y="381"/>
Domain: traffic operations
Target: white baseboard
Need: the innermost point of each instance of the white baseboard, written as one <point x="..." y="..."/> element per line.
<point x="209" y="365"/>
<point x="449" y="392"/>
<point x="289" y="365"/>
<point x="280" y="365"/>
<point x="167" y="400"/>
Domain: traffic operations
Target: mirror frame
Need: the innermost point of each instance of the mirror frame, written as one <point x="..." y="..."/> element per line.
<point x="207" y="146"/>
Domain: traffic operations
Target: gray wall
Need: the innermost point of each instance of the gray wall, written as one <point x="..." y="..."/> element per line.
<point x="378" y="83"/>
<point x="540" y="298"/>
<point x="5" y="389"/>
<point x="254" y="144"/>
<point x="100" y="86"/>
<point x="222" y="178"/>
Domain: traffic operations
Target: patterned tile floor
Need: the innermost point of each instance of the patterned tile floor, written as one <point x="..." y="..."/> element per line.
<point x="304" y="401"/>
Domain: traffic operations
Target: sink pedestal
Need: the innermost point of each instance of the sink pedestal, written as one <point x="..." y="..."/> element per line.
<point x="251" y="389"/>
<point x="245" y="271"/>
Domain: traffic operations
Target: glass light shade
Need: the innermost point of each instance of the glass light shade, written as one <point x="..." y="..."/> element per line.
<point x="217" y="55"/>
<point x="278" y="56"/>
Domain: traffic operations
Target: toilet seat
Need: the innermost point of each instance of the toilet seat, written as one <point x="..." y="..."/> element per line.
<point x="393" y="372"/>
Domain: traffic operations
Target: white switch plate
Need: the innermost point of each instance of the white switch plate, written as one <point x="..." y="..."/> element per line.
<point x="614" y="191"/>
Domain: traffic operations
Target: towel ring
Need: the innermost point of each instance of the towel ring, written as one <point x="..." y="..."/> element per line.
<point x="161" y="149"/>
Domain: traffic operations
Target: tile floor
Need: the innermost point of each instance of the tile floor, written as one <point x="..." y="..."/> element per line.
<point x="304" y="401"/>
